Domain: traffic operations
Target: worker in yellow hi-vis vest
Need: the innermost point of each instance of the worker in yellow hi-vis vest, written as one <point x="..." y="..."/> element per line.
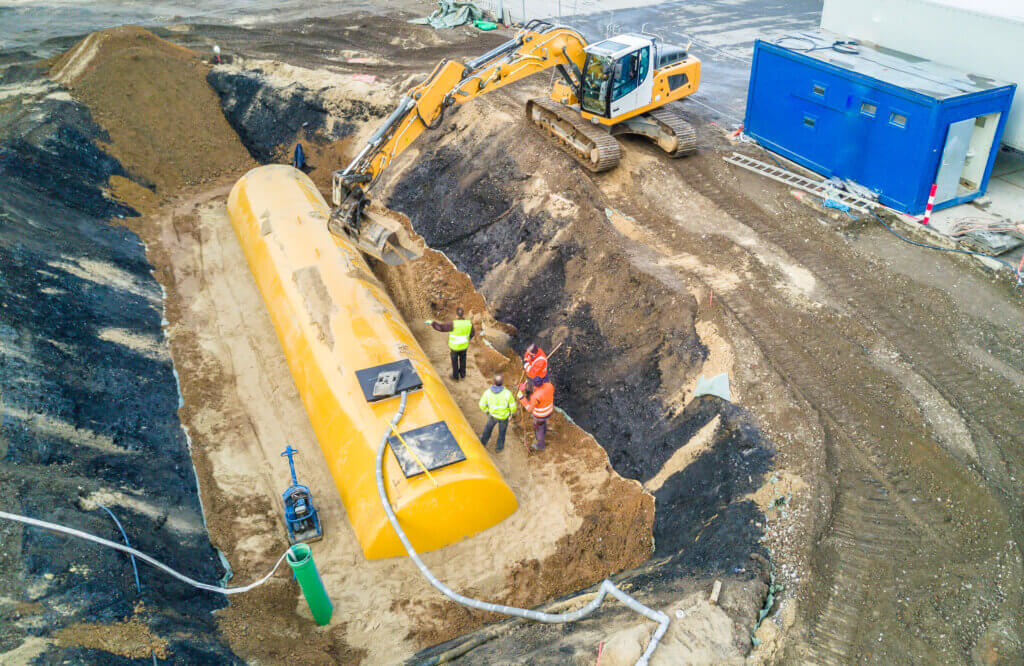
<point x="460" y="332"/>
<point x="499" y="405"/>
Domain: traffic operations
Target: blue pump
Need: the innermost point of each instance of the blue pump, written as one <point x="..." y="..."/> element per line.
<point x="300" y="516"/>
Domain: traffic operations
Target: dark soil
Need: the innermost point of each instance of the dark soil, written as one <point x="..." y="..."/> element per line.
<point x="82" y="414"/>
<point x="268" y="122"/>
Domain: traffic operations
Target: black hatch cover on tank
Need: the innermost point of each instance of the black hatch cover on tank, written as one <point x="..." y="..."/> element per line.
<point x="433" y="444"/>
<point x="408" y="381"/>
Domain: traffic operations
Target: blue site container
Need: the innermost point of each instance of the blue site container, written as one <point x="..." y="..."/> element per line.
<point x="886" y="120"/>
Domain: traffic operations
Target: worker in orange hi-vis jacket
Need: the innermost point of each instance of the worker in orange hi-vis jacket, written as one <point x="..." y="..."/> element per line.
<point x="540" y="402"/>
<point x="535" y="362"/>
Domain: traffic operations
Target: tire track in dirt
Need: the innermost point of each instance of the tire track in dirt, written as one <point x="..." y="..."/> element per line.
<point x="966" y="388"/>
<point x="879" y="531"/>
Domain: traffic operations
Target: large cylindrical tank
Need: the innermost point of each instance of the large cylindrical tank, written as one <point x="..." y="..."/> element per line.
<point x="333" y="319"/>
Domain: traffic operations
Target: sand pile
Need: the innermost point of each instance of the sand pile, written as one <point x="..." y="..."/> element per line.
<point x="164" y="121"/>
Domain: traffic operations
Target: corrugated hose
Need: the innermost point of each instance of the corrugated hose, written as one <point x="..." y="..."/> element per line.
<point x="607" y="587"/>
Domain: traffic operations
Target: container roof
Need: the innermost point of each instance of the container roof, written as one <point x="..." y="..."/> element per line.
<point x="899" y="69"/>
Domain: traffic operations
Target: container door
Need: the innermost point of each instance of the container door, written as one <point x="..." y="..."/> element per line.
<point x="958" y="139"/>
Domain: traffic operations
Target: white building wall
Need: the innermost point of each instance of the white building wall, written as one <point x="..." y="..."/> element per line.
<point x="984" y="37"/>
<point x="553" y="9"/>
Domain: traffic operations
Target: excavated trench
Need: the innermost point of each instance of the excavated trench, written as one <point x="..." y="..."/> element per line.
<point x="628" y="343"/>
<point x="534" y="241"/>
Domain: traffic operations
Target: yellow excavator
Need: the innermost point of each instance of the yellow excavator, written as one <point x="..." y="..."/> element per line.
<point x="619" y="85"/>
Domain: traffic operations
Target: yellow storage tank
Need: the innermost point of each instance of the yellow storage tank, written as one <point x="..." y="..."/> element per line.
<point x="342" y="335"/>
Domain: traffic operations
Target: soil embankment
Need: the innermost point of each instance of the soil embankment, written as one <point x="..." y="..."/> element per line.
<point x="88" y="403"/>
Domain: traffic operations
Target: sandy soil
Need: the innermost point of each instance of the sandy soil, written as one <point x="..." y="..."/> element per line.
<point x="151" y="96"/>
<point x="241" y="409"/>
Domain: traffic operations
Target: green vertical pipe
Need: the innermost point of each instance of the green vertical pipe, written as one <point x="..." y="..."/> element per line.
<point x="300" y="559"/>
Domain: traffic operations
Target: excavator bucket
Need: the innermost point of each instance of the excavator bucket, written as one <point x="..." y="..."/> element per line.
<point x="373" y="229"/>
<point x="384" y="238"/>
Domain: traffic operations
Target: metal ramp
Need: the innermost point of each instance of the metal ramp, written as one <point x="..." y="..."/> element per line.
<point x="819" y="188"/>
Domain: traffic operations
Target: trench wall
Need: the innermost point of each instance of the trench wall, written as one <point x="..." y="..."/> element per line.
<point x="88" y="406"/>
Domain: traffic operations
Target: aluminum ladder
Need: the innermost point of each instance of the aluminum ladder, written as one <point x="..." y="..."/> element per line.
<point x="823" y="189"/>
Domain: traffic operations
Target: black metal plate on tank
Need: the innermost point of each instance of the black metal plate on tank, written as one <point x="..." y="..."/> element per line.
<point x="434" y="444"/>
<point x="409" y="381"/>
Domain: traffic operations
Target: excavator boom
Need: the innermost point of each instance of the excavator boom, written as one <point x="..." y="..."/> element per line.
<point x="617" y="86"/>
<point x="536" y="47"/>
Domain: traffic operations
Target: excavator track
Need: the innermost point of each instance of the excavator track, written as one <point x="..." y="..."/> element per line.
<point x="672" y="123"/>
<point x="591" y="145"/>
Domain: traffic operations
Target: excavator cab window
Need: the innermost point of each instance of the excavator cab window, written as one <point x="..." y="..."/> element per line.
<point x="598" y="72"/>
<point x="607" y="79"/>
<point x="630" y="71"/>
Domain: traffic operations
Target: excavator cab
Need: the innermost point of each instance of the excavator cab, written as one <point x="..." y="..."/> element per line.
<point x="617" y="76"/>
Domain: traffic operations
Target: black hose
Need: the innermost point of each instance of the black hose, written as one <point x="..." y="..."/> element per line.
<point x="1020" y="278"/>
<point x="437" y="122"/>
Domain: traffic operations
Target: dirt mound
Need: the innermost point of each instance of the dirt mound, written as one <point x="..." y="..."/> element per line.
<point x="163" y="119"/>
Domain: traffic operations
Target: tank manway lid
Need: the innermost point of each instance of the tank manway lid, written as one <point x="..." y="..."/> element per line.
<point x="384" y="381"/>
<point x="432" y="445"/>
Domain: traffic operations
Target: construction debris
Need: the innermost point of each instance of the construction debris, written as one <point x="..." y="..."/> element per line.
<point x="451" y="13"/>
<point x="716" y="386"/>
<point x="716" y="590"/>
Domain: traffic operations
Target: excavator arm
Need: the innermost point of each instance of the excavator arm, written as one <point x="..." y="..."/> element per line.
<point x="538" y="46"/>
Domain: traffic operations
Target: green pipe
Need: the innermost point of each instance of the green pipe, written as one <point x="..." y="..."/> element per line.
<point x="300" y="559"/>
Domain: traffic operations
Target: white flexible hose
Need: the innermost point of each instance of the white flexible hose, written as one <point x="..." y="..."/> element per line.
<point x="607" y="587"/>
<point x="142" y="556"/>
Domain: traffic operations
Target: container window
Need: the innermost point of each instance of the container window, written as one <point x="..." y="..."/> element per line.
<point x="818" y="90"/>
<point x="898" y="119"/>
<point x="809" y="121"/>
<point x="869" y="109"/>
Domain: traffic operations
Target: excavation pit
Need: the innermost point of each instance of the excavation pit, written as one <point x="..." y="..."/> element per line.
<point x="578" y="522"/>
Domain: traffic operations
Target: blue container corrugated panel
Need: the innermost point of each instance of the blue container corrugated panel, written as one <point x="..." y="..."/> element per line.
<point x="839" y="122"/>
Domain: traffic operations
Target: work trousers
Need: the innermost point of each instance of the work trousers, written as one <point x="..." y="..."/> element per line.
<point x="458" y="364"/>
<point x="540" y="428"/>
<point x="489" y="428"/>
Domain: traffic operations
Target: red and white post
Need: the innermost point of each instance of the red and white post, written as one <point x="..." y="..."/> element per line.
<point x="931" y="202"/>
